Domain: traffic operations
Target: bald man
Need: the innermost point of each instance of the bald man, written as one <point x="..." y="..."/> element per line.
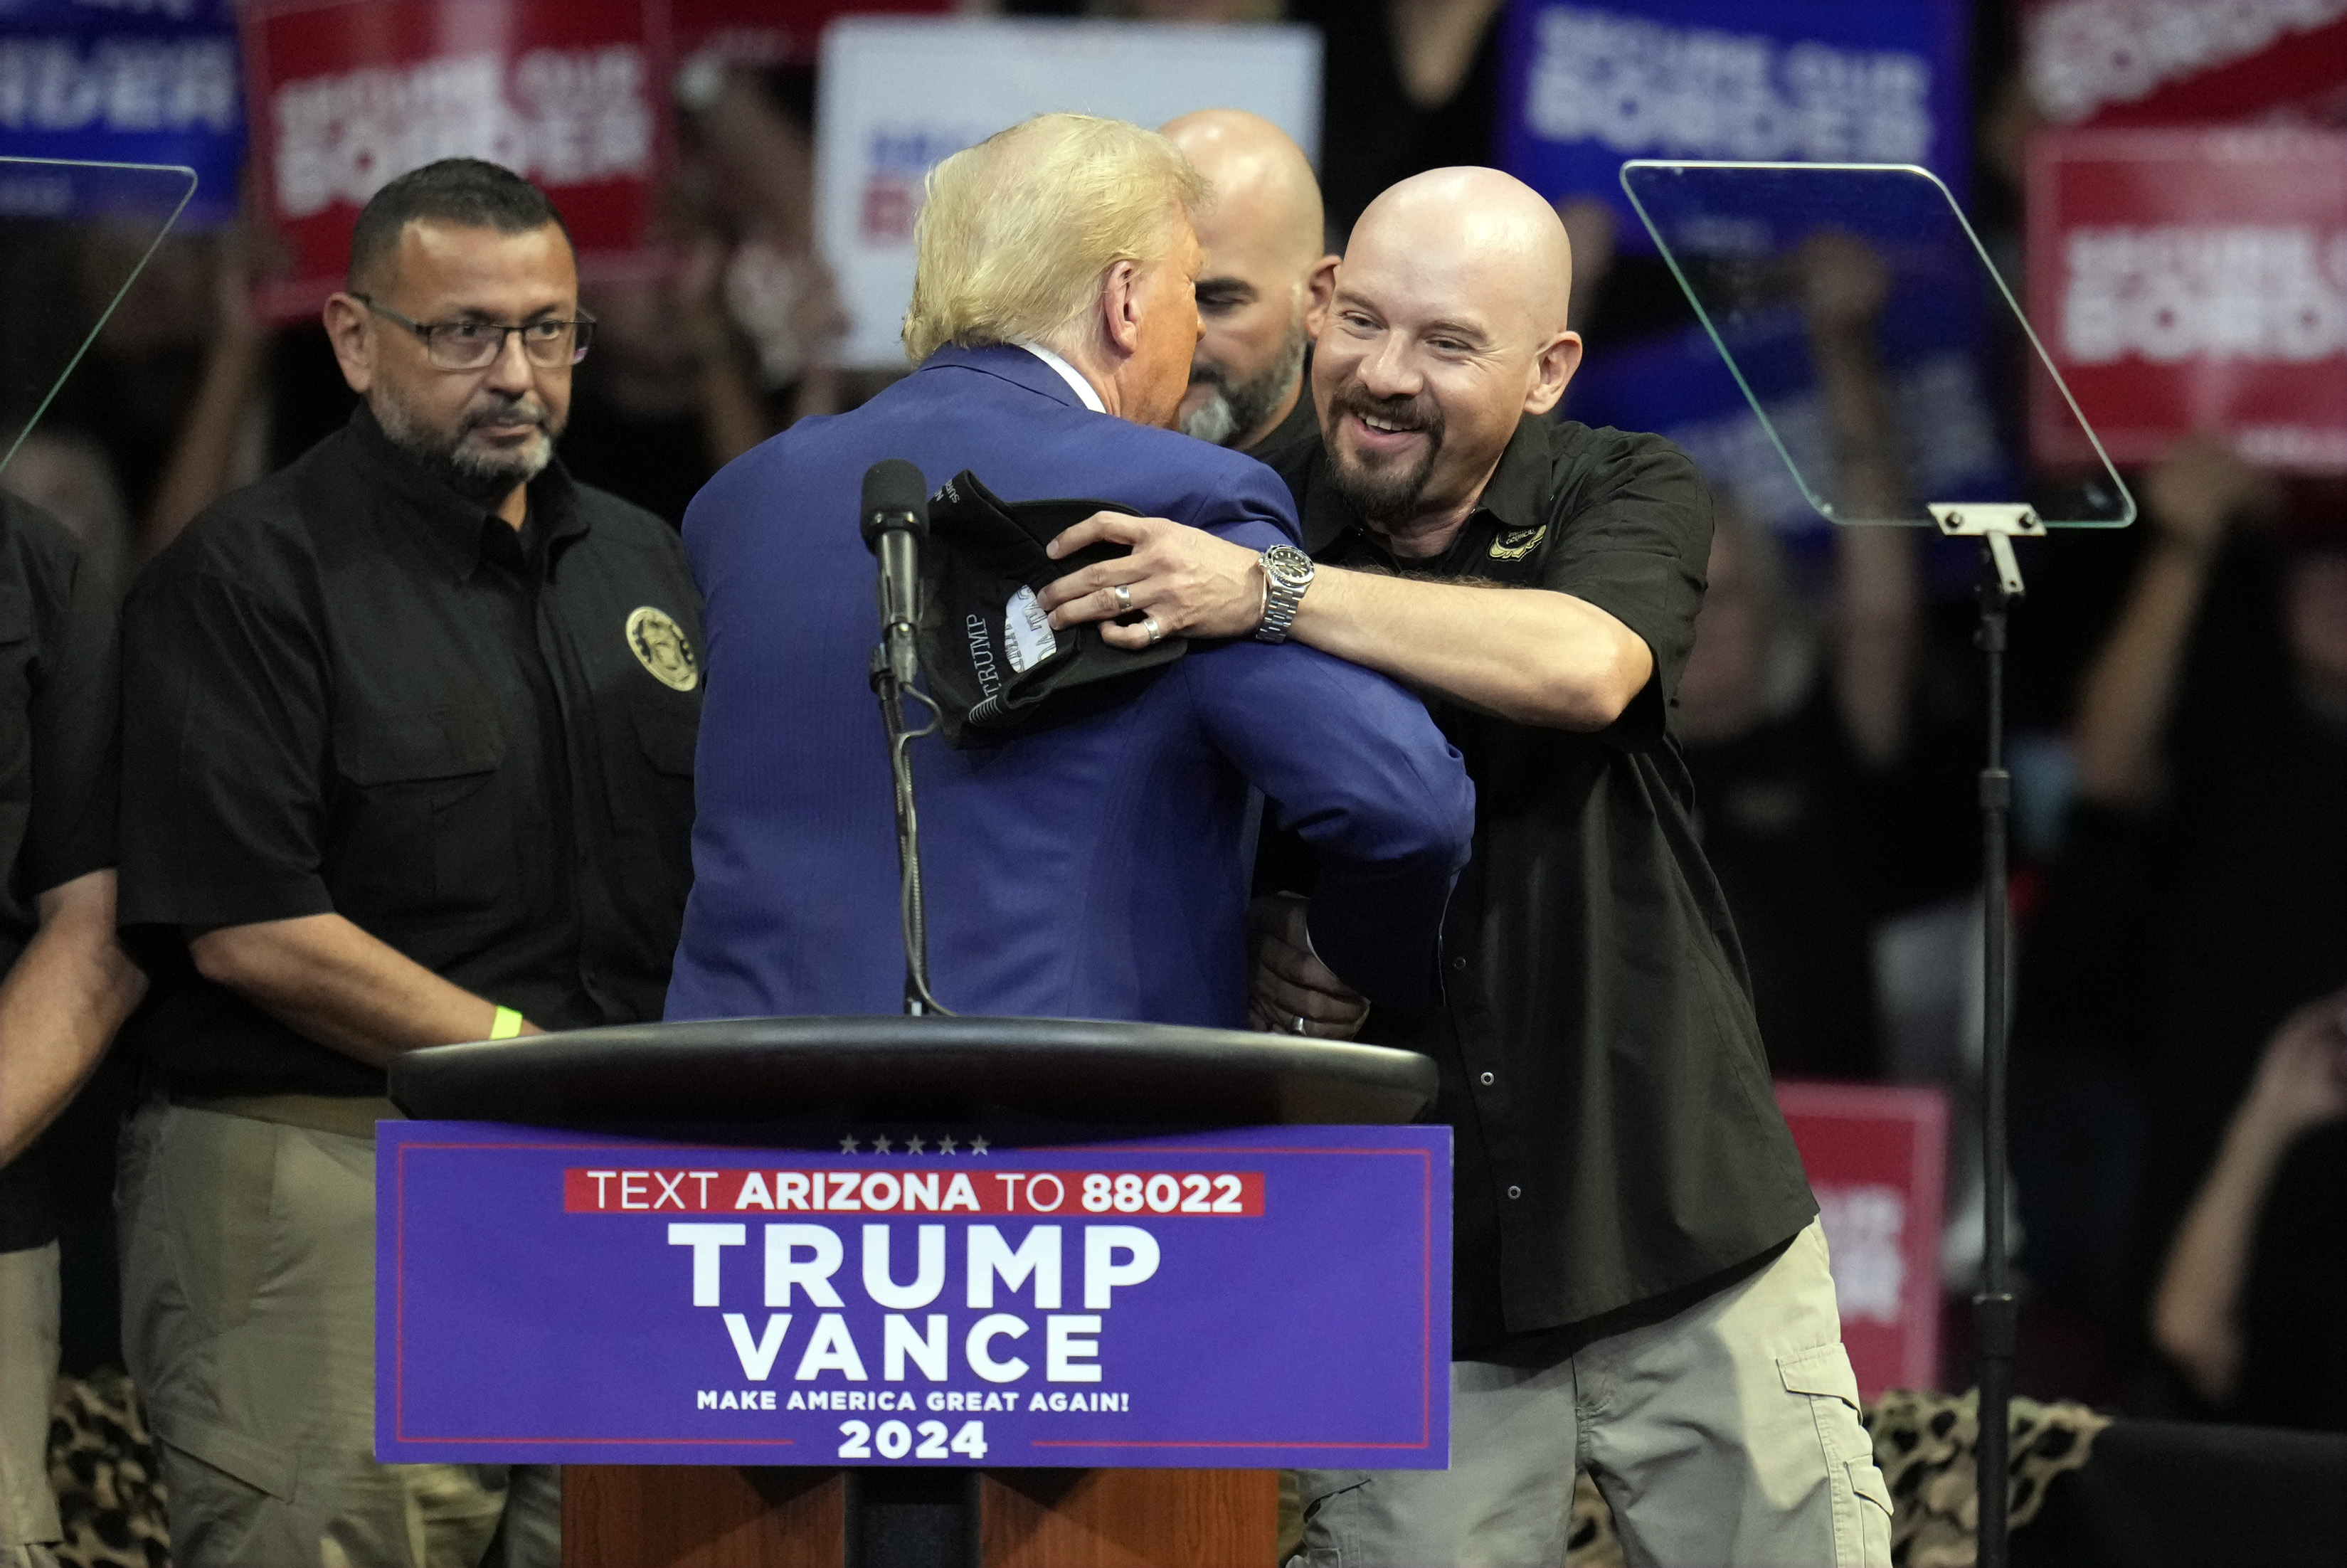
<point x="1640" y="1288"/>
<point x="1265" y="290"/>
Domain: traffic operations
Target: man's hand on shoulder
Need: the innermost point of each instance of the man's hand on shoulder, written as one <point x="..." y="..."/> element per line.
<point x="1191" y="583"/>
<point x="1293" y="992"/>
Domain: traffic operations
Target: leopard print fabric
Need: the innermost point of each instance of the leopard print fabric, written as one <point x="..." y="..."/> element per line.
<point x="1924" y="1443"/>
<point x="110" y="1485"/>
<point x="109" y="1480"/>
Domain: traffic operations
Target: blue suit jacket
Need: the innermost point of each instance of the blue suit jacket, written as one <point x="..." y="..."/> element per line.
<point x="1096" y="870"/>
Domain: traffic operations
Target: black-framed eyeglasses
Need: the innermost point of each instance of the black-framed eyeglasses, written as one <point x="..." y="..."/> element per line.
<point x="469" y="344"/>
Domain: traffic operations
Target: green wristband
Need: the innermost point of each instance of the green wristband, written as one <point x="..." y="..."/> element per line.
<point x="506" y="1025"/>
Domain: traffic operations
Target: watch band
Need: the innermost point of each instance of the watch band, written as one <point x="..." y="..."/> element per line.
<point x="1283" y="590"/>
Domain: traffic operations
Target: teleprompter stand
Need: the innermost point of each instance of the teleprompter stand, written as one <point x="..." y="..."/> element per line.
<point x="790" y="1082"/>
<point x="1754" y="246"/>
<point x="1994" y="1311"/>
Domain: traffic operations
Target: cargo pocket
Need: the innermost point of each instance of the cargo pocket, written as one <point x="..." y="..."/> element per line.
<point x="225" y="1487"/>
<point x="1822" y="1375"/>
<point x="217" y="1180"/>
<point x="263" y="1467"/>
<point x="1874" y="1512"/>
<point x="1324" y="1496"/>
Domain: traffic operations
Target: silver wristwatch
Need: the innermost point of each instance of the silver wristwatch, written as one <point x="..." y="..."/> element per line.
<point x="1286" y="573"/>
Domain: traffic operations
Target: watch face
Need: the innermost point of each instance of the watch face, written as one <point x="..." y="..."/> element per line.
<point x="1289" y="565"/>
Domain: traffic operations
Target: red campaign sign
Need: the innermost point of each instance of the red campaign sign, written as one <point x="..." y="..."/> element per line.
<point x="1877" y="1159"/>
<point x="2111" y="63"/>
<point x="347" y="94"/>
<point x="614" y="1190"/>
<point x="774" y="31"/>
<point x="2190" y="281"/>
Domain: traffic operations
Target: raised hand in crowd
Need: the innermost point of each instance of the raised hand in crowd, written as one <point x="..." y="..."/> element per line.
<point x="759" y="162"/>
<point x="1844" y="287"/>
<point x="2300" y="1083"/>
<point x="2129" y="692"/>
<point x="732" y="417"/>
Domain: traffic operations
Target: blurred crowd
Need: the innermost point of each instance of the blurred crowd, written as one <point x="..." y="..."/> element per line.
<point x="2178" y="703"/>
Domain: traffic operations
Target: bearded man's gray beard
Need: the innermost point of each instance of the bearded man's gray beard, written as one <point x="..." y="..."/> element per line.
<point x="485" y="479"/>
<point x="1233" y="413"/>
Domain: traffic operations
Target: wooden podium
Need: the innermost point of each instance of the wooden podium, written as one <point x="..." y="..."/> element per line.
<point x="750" y="1082"/>
<point x="617" y="1516"/>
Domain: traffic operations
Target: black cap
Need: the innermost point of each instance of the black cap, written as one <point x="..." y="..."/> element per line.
<point x="995" y="668"/>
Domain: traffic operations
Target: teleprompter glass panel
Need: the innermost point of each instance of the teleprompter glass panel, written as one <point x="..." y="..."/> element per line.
<point x="1814" y="278"/>
<point x="73" y="236"/>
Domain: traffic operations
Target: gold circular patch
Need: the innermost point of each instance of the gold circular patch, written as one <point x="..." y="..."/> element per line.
<point x="660" y="647"/>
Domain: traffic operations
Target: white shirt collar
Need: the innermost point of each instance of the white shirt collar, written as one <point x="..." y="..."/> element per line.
<point x="1069" y="374"/>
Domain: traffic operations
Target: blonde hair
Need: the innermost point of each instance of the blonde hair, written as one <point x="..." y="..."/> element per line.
<point x="1017" y="231"/>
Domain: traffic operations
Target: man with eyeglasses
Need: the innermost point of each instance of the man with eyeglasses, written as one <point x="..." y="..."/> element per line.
<point x="408" y="739"/>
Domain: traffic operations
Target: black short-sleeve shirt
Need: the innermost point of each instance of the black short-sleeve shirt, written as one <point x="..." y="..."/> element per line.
<point x="1301" y="425"/>
<point x="57" y="707"/>
<point x="1617" y="1134"/>
<point x="349" y="690"/>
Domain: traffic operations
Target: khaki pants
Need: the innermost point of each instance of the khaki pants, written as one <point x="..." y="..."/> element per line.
<point x="28" y="1381"/>
<point x="248" y="1288"/>
<point x="1724" y="1436"/>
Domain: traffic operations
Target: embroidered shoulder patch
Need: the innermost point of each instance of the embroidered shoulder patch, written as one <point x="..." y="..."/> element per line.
<point x="660" y="646"/>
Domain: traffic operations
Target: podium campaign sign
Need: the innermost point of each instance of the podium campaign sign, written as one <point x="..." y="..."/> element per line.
<point x="347" y="95"/>
<point x="1238" y="1299"/>
<point x="2192" y="279"/>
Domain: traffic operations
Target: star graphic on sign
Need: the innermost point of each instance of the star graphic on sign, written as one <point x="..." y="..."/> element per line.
<point x="881" y="1144"/>
<point x="914" y="1146"/>
<point x="947" y="1145"/>
<point x="848" y="1145"/>
<point x="978" y="1145"/>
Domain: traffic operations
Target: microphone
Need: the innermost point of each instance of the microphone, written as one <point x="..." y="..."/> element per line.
<point x="895" y="519"/>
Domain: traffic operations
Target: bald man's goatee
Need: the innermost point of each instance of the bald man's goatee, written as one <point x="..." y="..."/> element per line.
<point x="1390" y="493"/>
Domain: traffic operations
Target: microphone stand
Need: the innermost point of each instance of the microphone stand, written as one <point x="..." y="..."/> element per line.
<point x="896" y="663"/>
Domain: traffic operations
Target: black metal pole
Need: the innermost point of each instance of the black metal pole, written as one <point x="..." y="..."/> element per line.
<point x="1994" y="1310"/>
<point x="912" y="904"/>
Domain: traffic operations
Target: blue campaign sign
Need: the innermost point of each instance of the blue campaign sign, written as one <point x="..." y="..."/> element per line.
<point x="1248" y="1298"/>
<point x="1590" y="83"/>
<point x="1678" y="385"/>
<point x="127" y="81"/>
